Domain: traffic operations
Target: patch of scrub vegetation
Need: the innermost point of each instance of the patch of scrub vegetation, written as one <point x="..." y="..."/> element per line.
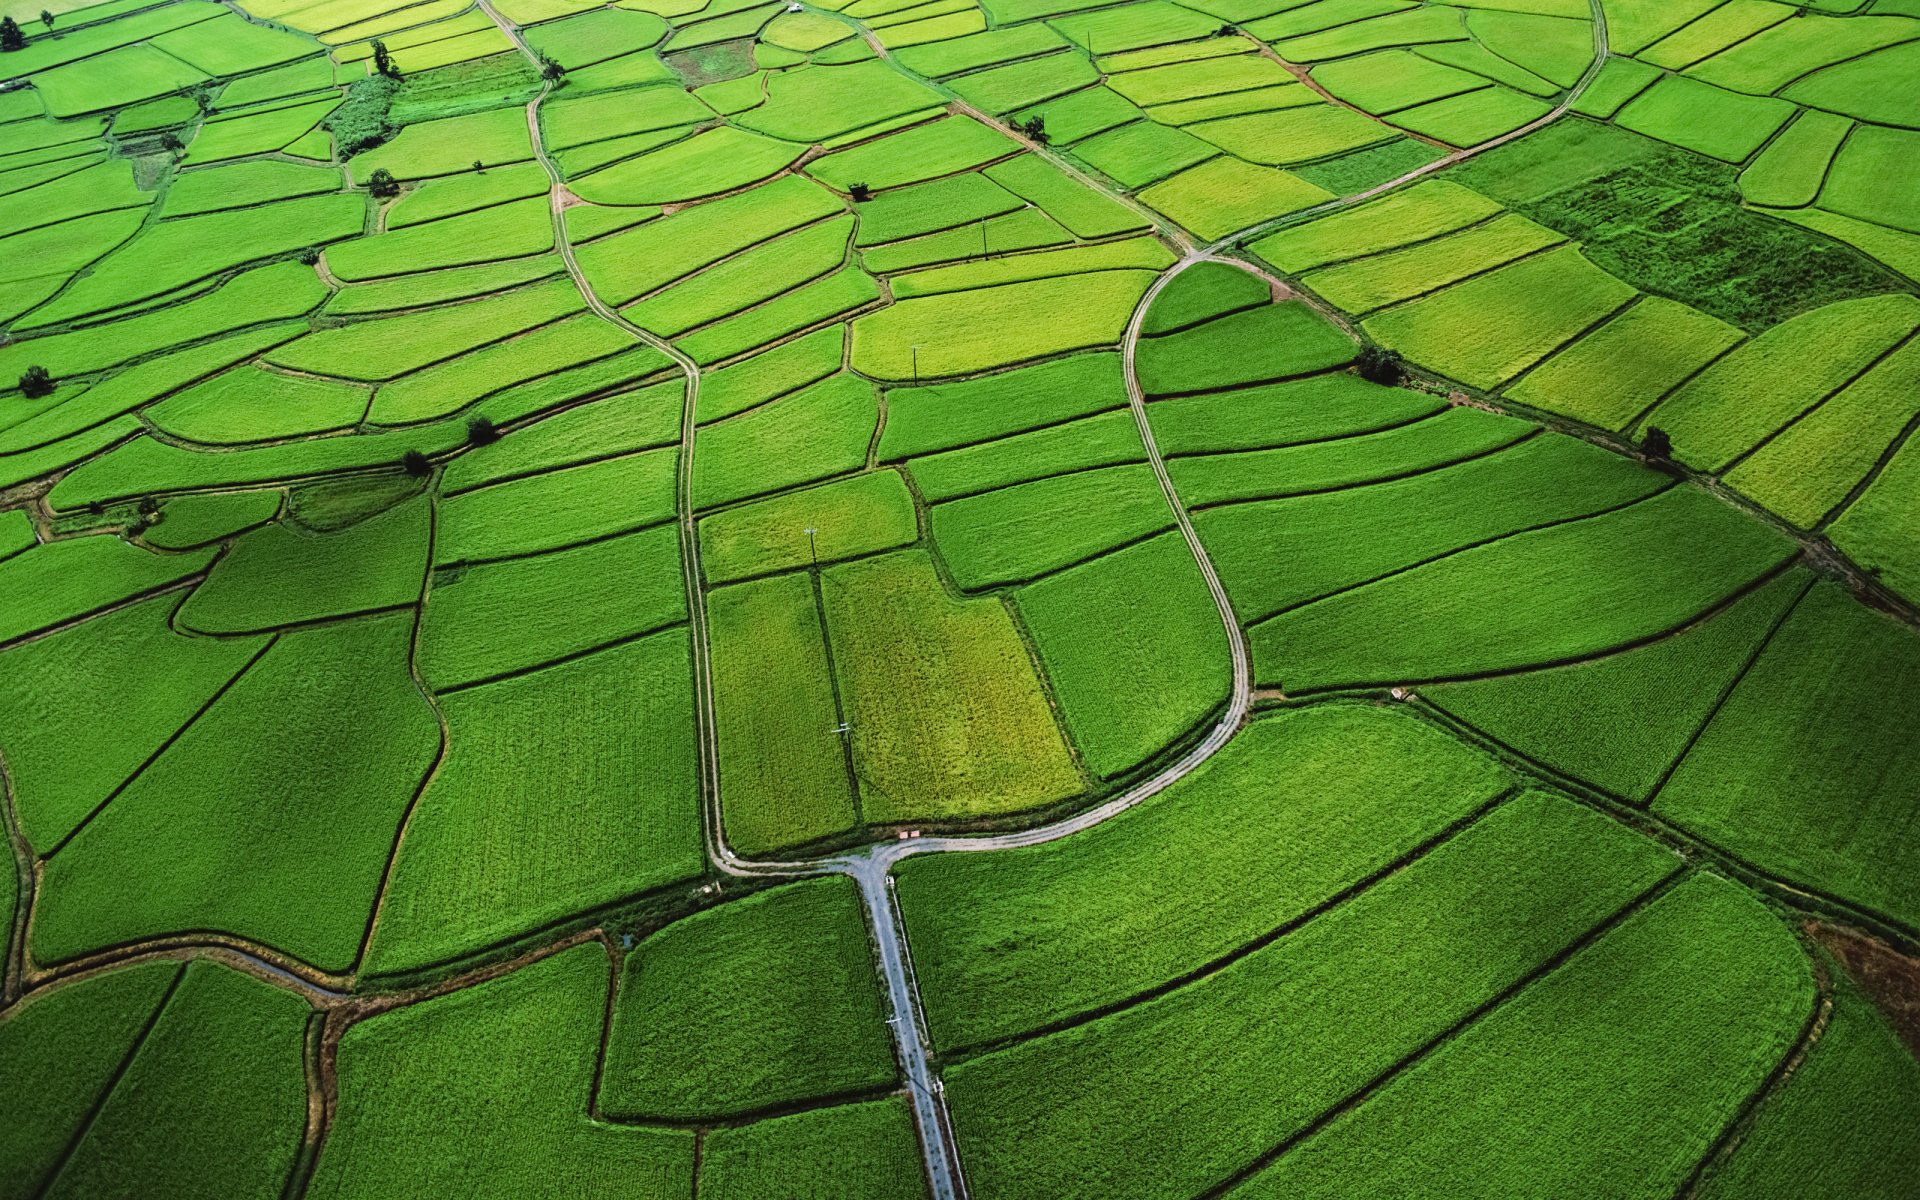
<point x="1671" y="223"/>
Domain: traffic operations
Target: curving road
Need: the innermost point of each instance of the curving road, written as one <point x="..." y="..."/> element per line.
<point x="871" y="868"/>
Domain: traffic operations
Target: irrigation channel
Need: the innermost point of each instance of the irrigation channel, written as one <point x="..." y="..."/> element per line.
<point x="871" y="867"/>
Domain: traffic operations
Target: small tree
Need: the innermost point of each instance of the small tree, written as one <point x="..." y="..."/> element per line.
<point x="309" y="257"/>
<point x="1380" y="365"/>
<point x="550" y="70"/>
<point x="36" y="383"/>
<point x="481" y="431"/>
<point x="10" y="36"/>
<point x="1034" y="127"/>
<point x="860" y="192"/>
<point x="46" y="18"/>
<point x="1655" y="444"/>
<point x="1226" y="31"/>
<point x="171" y="143"/>
<point x="416" y="464"/>
<point x="383" y="185"/>
<point x="478" y="166"/>
<point x="383" y="61"/>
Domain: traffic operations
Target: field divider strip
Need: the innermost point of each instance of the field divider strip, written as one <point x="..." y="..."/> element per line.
<point x="1741" y="1122"/>
<point x="1252" y="946"/>
<point x="1493" y="539"/>
<point x="1360" y="1095"/>
<point x="113" y="1081"/>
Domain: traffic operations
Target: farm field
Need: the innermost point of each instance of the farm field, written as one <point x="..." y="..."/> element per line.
<point x="926" y="599"/>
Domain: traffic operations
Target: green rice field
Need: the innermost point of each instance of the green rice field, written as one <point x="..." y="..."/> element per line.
<point x="943" y="599"/>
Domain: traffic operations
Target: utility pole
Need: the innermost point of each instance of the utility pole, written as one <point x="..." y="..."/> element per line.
<point x="916" y="364"/>
<point x="813" y="554"/>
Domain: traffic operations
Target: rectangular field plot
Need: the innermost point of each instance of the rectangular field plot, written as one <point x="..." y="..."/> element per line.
<point x="961" y="333"/>
<point x="1771" y="380"/>
<point x="784" y="780"/>
<point x="1408" y="448"/>
<point x="1258" y="345"/>
<point x="1102" y="440"/>
<point x="1215" y="1076"/>
<point x="1225" y="195"/>
<point x="1612" y="375"/>
<point x="1278" y="554"/>
<point x="1133" y="648"/>
<point x="1686" y="1007"/>
<point x="922" y="420"/>
<point x="1622" y="721"/>
<point x="757" y="1003"/>
<point x="1517" y="315"/>
<point x="847" y="519"/>
<point x="1813" y="466"/>
<point x="239" y="796"/>
<point x="1292" y="813"/>
<point x="821" y="431"/>
<point x="1425" y="210"/>
<point x="561" y="790"/>
<point x="948" y="718"/>
<point x="1370" y="283"/>
<point x="562" y="507"/>
<point x="1807" y="768"/>
<point x="1032" y="529"/>
<point x="868" y="1150"/>
<point x="1517" y="602"/>
<point x="518" y="1113"/>
<point x="502" y="618"/>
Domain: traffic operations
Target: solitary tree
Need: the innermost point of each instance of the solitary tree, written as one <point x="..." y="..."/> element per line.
<point x="10" y="36"/>
<point x="1656" y="444"/>
<point x="1035" y="127"/>
<point x="383" y="61"/>
<point x="550" y="70"/>
<point x="860" y="192"/>
<point x="1226" y="31"/>
<point x="309" y="257"/>
<point x="36" y="383"/>
<point x="1380" y="365"/>
<point x="416" y="464"/>
<point x="479" y="166"/>
<point x="481" y="431"/>
<point x="383" y="185"/>
<point x="171" y="142"/>
<point x="46" y="18"/>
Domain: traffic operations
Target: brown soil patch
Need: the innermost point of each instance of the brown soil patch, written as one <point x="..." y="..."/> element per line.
<point x="1889" y="978"/>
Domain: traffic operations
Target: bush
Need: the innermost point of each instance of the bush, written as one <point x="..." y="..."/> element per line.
<point x="860" y="192"/>
<point x="10" y="36"/>
<point x="550" y="70"/>
<point x="1656" y="444"/>
<point x="481" y="431"/>
<point x="383" y="185"/>
<point x="416" y="464"/>
<point x="383" y="61"/>
<point x="1380" y="365"/>
<point x="36" y="383"/>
